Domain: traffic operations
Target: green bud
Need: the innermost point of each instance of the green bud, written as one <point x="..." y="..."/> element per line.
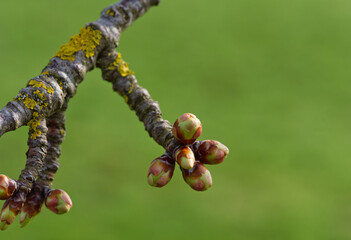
<point x="187" y="128"/>
<point x="210" y="151"/>
<point x="58" y="201"/>
<point x="7" y="187"/>
<point x="185" y="157"/>
<point x="160" y="171"/>
<point x="198" y="178"/>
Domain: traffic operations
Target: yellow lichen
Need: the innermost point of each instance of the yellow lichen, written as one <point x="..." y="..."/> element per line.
<point x="50" y="90"/>
<point x="59" y="83"/>
<point x="125" y="97"/>
<point x="33" y="124"/>
<point x="40" y="99"/>
<point x="37" y="84"/>
<point x="29" y="102"/>
<point x="122" y="66"/>
<point x="35" y="134"/>
<point x="131" y="89"/>
<point x="39" y="94"/>
<point x="110" y="12"/>
<point x="87" y="40"/>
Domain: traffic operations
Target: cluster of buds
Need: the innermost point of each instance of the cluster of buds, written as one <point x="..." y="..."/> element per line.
<point x="189" y="154"/>
<point x="29" y="205"/>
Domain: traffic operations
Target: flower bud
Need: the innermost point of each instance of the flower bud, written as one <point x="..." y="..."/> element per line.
<point x="210" y="151"/>
<point x="58" y="201"/>
<point x="185" y="157"/>
<point x="198" y="178"/>
<point x="32" y="206"/>
<point x="187" y="128"/>
<point x="7" y="187"/>
<point x="11" y="209"/>
<point x="7" y="216"/>
<point x="160" y="171"/>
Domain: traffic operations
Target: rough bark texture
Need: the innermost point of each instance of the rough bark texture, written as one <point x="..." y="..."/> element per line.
<point x="60" y="78"/>
<point x="55" y="136"/>
<point x="42" y="104"/>
<point x="138" y="98"/>
<point x="46" y="96"/>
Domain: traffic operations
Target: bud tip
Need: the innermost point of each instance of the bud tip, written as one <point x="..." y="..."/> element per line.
<point x="24" y="219"/>
<point x="3" y="225"/>
<point x="185" y="157"/>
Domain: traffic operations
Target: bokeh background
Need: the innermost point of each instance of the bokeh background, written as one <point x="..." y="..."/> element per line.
<point x="270" y="79"/>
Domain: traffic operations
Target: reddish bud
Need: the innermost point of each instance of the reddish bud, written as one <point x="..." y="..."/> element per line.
<point x="198" y="178"/>
<point x="11" y="209"/>
<point x="7" y="187"/>
<point x="187" y="128"/>
<point x="185" y="157"/>
<point x="160" y="171"/>
<point x="210" y="151"/>
<point x="58" y="201"/>
<point x="32" y="206"/>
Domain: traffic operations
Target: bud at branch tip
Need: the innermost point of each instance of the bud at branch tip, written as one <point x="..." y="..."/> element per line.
<point x="187" y="128"/>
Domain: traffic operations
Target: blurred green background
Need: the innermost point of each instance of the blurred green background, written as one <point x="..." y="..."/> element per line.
<point x="269" y="79"/>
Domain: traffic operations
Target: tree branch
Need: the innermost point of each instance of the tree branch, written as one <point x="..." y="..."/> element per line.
<point x="42" y="104"/>
<point x="116" y="71"/>
<point x="59" y="80"/>
<point x="44" y="101"/>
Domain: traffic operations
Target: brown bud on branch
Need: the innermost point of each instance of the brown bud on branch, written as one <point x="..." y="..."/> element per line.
<point x="187" y="128"/>
<point x="11" y="209"/>
<point x="7" y="187"/>
<point x="198" y="178"/>
<point x="33" y="204"/>
<point x="185" y="157"/>
<point x="210" y="151"/>
<point x="58" y="201"/>
<point x="160" y="171"/>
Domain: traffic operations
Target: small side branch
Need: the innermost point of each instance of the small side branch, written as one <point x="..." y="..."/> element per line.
<point x="116" y="71"/>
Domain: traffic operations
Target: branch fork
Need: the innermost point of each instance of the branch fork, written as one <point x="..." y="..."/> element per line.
<point x="42" y="105"/>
